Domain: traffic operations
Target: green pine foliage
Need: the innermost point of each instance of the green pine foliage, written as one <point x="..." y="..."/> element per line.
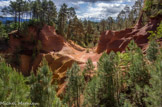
<point x="148" y="4"/>
<point x="13" y="86"/>
<point x="153" y="46"/>
<point x="152" y="50"/>
<point x="42" y="91"/>
<point x="3" y="33"/>
<point x="102" y="85"/>
<point x="91" y="94"/>
<point x="137" y="70"/>
<point x="156" y="34"/>
<point x="152" y="8"/>
<point x="137" y="76"/>
<point x="154" y="90"/>
<point x="89" y="68"/>
<point x="106" y="85"/>
<point x="74" y="86"/>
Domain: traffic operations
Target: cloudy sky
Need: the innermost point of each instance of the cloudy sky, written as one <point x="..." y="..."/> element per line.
<point x="92" y="9"/>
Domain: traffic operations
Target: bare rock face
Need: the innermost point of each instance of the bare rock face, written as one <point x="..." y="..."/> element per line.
<point x="50" y="41"/>
<point x="118" y="40"/>
<point x="45" y="40"/>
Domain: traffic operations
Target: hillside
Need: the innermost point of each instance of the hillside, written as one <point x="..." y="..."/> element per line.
<point x="61" y="54"/>
<point x="118" y="40"/>
<point x="57" y="60"/>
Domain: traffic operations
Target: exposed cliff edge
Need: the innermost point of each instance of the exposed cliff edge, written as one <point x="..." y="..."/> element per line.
<point x="118" y="40"/>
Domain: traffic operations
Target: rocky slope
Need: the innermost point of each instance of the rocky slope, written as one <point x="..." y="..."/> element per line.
<point x="32" y="46"/>
<point x="118" y="40"/>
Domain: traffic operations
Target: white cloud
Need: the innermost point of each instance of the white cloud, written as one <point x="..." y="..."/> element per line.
<point x="4" y="3"/>
<point x="102" y="10"/>
<point x="93" y="9"/>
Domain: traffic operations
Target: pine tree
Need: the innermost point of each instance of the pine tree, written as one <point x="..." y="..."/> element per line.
<point x="76" y="30"/>
<point x="152" y="50"/>
<point x="103" y="25"/>
<point x="110" y="22"/>
<point x="101" y="88"/>
<point x="3" y="33"/>
<point x="89" y="65"/>
<point x="106" y="85"/>
<point x="137" y="76"/>
<point x="156" y="34"/>
<point x="154" y="91"/>
<point x="36" y="9"/>
<point x="89" y="31"/>
<point x="89" y="68"/>
<point x="51" y="12"/>
<point x="13" y="86"/>
<point x="90" y="93"/>
<point x="42" y="91"/>
<point x="62" y="19"/>
<point x="74" y="86"/>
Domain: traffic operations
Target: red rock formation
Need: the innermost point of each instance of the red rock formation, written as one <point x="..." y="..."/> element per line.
<point x="118" y="40"/>
<point x="33" y="45"/>
<point x="50" y="41"/>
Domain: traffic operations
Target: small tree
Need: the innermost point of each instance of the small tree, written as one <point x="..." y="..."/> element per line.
<point x="88" y="68"/>
<point x="152" y="51"/>
<point x="74" y="86"/>
<point x="42" y="91"/>
<point x="154" y="91"/>
<point x="106" y="85"/>
<point x="13" y="86"/>
<point x="3" y="33"/>
<point x="90" y="93"/>
<point x="101" y="88"/>
<point x="137" y="76"/>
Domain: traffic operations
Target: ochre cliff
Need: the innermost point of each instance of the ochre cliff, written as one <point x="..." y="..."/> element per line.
<point x="118" y="40"/>
<point x="34" y="45"/>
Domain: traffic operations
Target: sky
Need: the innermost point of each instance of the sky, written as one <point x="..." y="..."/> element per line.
<point x="90" y="9"/>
